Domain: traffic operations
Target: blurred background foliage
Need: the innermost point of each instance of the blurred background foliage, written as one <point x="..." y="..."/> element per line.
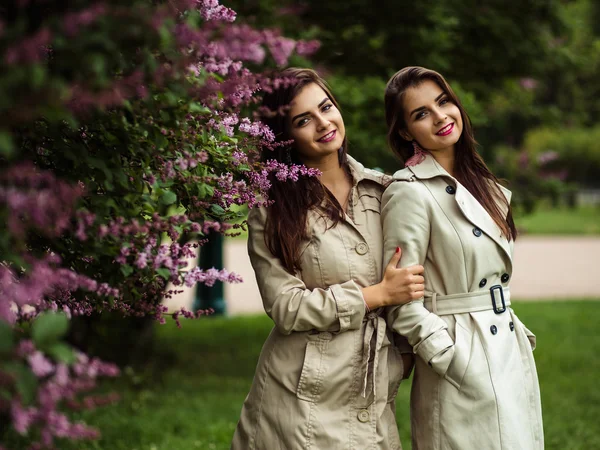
<point x="526" y="71"/>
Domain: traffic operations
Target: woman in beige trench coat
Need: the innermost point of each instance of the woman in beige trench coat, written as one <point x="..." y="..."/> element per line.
<point x="329" y="372"/>
<point x="475" y="385"/>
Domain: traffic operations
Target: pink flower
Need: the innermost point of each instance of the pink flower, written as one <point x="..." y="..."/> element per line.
<point x="40" y="365"/>
<point x="22" y="418"/>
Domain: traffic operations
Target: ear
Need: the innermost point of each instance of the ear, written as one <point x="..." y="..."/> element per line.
<point x="405" y="135"/>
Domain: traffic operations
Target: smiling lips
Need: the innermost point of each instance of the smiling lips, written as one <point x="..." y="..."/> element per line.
<point x="446" y="130"/>
<point x="328" y="137"/>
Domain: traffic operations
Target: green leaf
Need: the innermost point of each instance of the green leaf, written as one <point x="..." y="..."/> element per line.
<point x="62" y="352"/>
<point x="126" y="269"/>
<point x="217" y="209"/>
<point x="49" y="327"/>
<point x="5" y="394"/>
<point x="25" y="381"/>
<point x="6" y="143"/>
<point x="168" y="198"/>
<point x="198" y="108"/>
<point x="165" y="273"/>
<point x="7" y="338"/>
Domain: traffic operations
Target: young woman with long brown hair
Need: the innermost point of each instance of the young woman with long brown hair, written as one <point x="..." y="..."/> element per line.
<point x="329" y="371"/>
<point x="475" y="383"/>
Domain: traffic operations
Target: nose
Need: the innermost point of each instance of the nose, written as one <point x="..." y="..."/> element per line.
<point x="322" y="122"/>
<point x="439" y="115"/>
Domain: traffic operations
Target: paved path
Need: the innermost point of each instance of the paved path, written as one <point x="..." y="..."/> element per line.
<point x="544" y="268"/>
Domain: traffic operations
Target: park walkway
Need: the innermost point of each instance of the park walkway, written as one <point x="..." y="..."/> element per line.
<point x="545" y="267"/>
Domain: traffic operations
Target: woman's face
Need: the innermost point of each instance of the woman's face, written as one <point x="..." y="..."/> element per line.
<point x="431" y="118"/>
<point x="316" y="125"/>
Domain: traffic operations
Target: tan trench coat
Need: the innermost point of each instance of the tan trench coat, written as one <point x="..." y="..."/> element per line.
<point x="327" y="375"/>
<point x="475" y="385"/>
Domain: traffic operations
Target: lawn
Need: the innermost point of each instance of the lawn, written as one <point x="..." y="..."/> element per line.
<point x="191" y="396"/>
<point x="583" y="220"/>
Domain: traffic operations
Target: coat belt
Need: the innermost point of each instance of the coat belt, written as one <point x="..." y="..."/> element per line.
<point x="490" y="299"/>
<point x="374" y="331"/>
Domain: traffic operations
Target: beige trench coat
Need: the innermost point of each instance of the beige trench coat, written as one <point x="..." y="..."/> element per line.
<point x="327" y="375"/>
<point x="475" y="385"/>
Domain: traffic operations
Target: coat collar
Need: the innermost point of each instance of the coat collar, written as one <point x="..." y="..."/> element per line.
<point x="359" y="173"/>
<point x="429" y="168"/>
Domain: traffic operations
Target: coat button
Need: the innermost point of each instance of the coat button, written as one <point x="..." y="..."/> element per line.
<point x="505" y="277"/>
<point x="363" y="415"/>
<point x="512" y="326"/>
<point x="493" y="329"/>
<point x="362" y="248"/>
<point x="450" y="190"/>
<point x="482" y="283"/>
<point x="476" y="231"/>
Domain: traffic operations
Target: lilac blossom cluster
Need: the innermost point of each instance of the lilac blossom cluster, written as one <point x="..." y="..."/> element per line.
<point x="212" y="10"/>
<point x="68" y="238"/>
<point x="36" y="199"/>
<point x="59" y="385"/>
<point x="42" y="280"/>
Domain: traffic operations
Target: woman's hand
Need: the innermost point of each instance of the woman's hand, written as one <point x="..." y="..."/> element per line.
<point x="399" y="286"/>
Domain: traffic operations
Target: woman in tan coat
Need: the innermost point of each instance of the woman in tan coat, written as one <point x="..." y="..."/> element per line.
<point x="475" y="384"/>
<point x="328" y="373"/>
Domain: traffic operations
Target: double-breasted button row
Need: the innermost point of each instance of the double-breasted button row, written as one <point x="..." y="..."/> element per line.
<point x="450" y="190"/>
<point x="505" y="277"/>
<point x="482" y="283"/>
<point x="476" y="231"/>
<point x="362" y="248"/>
<point x="363" y="415"/>
<point x="494" y="328"/>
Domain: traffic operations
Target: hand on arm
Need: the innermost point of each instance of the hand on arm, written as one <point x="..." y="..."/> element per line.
<point x="399" y="285"/>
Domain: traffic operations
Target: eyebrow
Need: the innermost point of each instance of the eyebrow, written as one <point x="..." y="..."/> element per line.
<point x="325" y="100"/>
<point x="423" y="107"/>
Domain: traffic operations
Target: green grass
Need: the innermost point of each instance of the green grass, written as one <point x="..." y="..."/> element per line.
<point x="584" y="220"/>
<point x="191" y="396"/>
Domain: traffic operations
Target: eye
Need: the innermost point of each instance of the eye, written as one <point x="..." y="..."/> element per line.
<point x="444" y="101"/>
<point x="420" y="115"/>
<point x="302" y="122"/>
<point x="326" y="107"/>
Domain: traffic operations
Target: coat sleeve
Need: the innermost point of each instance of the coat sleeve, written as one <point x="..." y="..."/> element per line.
<point x="287" y="300"/>
<point x="406" y="225"/>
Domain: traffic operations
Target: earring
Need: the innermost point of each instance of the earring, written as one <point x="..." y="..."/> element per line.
<point x="417" y="157"/>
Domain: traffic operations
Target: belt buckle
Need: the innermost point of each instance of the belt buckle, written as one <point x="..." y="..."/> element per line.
<point x="494" y="303"/>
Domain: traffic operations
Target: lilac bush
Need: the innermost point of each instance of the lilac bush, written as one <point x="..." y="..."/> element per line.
<point x="126" y="136"/>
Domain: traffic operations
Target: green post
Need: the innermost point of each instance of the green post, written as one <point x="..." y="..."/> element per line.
<point x="211" y="255"/>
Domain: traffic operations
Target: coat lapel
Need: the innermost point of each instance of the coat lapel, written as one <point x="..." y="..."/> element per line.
<point x="469" y="206"/>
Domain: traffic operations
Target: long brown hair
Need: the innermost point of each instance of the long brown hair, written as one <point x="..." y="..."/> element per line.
<point x="286" y="229"/>
<point x="469" y="167"/>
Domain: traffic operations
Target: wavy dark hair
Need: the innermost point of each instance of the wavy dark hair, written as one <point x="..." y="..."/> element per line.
<point x="470" y="169"/>
<point x="286" y="226"/>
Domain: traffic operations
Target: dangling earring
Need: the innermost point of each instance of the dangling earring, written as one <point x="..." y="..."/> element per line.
<point x="287" y="156"/>
<point x="417" y="157"/>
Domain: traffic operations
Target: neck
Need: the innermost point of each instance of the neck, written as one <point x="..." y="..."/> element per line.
<point x="445" y="158"/>
<point x="332" y="173"/>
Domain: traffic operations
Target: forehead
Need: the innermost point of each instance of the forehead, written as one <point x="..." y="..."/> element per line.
<point x="308" y="98"/>
<point x="421" y="95"/>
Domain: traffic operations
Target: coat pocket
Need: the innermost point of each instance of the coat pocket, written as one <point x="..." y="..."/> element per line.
<point x="463" y="342"/>
<point x="314" y="367"/>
